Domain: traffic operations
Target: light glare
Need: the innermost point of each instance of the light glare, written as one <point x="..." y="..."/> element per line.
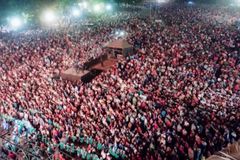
<point x="76" y="12"/>
<point x="162" y="1"/>
<point x="97" y="8"/>
<point x="190" y="3"/>
<point x="15" y="22"/>
<point x="49" y="17"/>
<point x="84" y="5"/>
<point x="121" y="33"/>
<point x="109" y="7"/>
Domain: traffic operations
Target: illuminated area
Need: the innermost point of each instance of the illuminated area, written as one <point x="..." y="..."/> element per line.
<point x="109" y="7"/>
<point x="83" y="5"/>
<point x="120" y="34"/>
<point x="76" y="12"/>
<point x="235" y="3"/>
<point x="190" y="2"/>
<point x="93" y="7"/>
<point x="15" y="23"/>
<point x="49" y="17"/>
<point x="98" y="8"/>
<point x="162" y="1"/>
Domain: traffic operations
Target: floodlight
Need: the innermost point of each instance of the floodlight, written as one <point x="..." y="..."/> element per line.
<point x="109" y="7"/>
<point x="16" y="22"/>
<point x="190" y="3"/>
<point x="97" y="8"/>
<point x="162" y="1"/>
<point x="122" y="33"/>
<point x="84" y="5"/>
<point x="48" y="17"/>
<point x="76" y="12"/>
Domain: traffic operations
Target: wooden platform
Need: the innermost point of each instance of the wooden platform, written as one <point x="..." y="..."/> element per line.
<point x="106" y="65"/>
<point x="73" y="75"/>
<point x="87" y="75"/>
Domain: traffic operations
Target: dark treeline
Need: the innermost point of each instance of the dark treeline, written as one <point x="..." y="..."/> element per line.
<point x="15" y="7"/>
<point x="33" y="7"/>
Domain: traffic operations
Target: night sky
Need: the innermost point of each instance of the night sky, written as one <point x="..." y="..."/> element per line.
<point x="17" y="6"/>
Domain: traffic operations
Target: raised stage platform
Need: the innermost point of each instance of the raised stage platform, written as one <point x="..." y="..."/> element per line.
<point x="106" y="65"/>
<point x="73" y="75"/>
<point x="87" y="75"/>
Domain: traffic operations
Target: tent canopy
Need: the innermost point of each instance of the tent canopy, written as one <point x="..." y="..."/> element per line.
<point x="118" y="44"/>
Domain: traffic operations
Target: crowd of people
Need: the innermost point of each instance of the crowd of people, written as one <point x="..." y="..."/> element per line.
<point x="176" y="98"/>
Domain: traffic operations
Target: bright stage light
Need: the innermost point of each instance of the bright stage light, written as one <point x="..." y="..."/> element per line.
<point x="109" y="7"/>
<point x="48" y="17"/>
<point x="122" y="33"/>
<point x="190" y="3"/>
<point x="15" y="22"/>
<point x="83" y="4"/>
<point x="97" y="8"/>
<point x="76" y="12"/>
<point x="162" y="1"/>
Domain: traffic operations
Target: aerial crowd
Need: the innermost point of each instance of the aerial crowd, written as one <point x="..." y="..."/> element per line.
<point x="176" y="98"/>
